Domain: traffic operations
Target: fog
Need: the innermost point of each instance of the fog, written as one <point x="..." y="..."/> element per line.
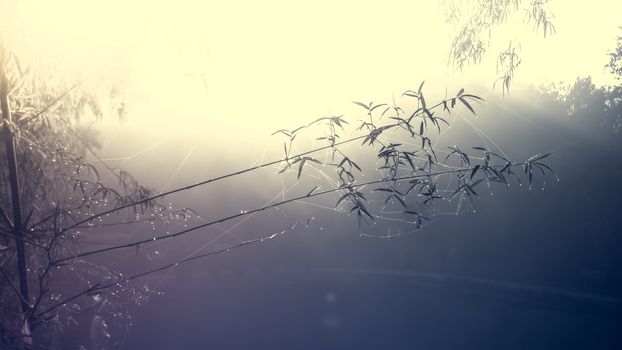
<point x="204" y="87"/>
<point x="531" y="268"/>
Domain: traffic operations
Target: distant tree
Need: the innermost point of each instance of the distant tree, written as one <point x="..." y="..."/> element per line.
<point x="475" y="21"/>
<point x="47" y="267"/>
<point x="584" y="101"/>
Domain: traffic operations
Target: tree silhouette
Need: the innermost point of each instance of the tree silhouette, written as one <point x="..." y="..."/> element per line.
<point x="590" y="105"/>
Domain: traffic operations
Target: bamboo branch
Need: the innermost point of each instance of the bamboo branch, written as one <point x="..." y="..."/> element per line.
<point x="100" y="287"/>
<point x="222" y="177"/>
<point x="231" y="217"/>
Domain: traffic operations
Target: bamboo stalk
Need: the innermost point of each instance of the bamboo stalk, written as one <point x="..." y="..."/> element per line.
<point x="18" y="221"/>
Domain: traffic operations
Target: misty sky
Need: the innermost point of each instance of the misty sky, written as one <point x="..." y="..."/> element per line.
<point x="275" y="62"/>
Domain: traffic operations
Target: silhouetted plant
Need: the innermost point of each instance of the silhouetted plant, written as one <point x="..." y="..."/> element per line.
<point x="58" y="187"/>
<point x="64" y="194"/>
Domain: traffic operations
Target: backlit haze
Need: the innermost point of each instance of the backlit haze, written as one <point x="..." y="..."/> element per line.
<point x="271" y="64"/>
<point x="206" y="83"/>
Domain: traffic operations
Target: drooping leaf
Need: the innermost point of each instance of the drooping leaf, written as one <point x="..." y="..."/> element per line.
<point x="400" y="200"/>
<point x="284" y="132"/>
<point x="361" y="104"/>
<point x="342" y="198"/>
<point x="302" y="163"/>
<point x="364" y="210"/>
<point x="383" y="189"/>
<point x="473" y="97"/>
<point x="410" y="93"/>
<point x="467" y="105"/>
<point x="355" y="165"/>
<point x="376" y="106"/>
<point x="475" y="169"/>
<point x="431" y="198"/>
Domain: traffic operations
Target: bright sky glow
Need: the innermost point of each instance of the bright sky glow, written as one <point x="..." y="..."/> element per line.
<point x="279" y="63"/>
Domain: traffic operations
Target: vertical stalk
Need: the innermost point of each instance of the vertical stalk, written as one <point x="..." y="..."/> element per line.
<point x="15" y="200"/>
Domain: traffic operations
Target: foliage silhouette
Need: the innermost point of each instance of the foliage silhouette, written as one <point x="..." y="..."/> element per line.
<point x="64" y="195"/>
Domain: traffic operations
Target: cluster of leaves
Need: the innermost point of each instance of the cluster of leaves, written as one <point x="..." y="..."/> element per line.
<point x="507" y="63"/>
<point x="540" y="17"/>
<point x="474" y="22"/>
<point x="407" y="162"/>
<point x="615" y="59"/>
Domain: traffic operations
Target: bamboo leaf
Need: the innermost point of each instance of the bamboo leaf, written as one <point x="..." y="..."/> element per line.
<point x="302" y="163"/>
<point x="467" y="105"/>
<point x="473" y="97"/>
<point x="410" y="93"/>
<point x="376" y="106"/>
<point x="314" y="188"/>
<point x="361" y="104"/>
<point x="283" y="131"/>
<point x="383" y="189"/>
<point x="364" y="210"/>
<point x="355" y="165"/>
<point x="342" y="199"/>
<point x="421" y="87"/>
<point x="400" y="200"/>
<point x="431" y="198"/>
<point x="475" y="169"/>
